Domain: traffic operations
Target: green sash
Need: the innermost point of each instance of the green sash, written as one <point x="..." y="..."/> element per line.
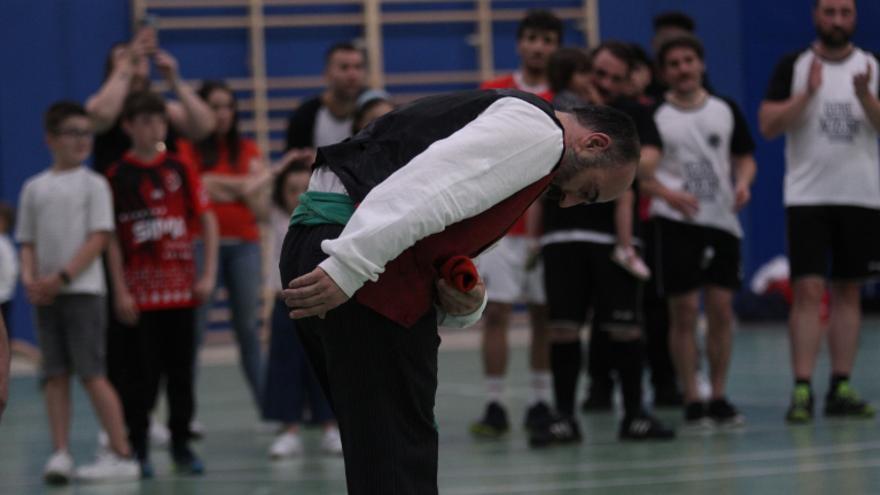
<point x="322" y="208"/>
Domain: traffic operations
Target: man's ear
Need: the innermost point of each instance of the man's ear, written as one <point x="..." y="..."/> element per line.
<point x="595" y="142"/>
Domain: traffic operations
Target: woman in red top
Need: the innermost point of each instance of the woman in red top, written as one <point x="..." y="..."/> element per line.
<point x="233" y="174"/>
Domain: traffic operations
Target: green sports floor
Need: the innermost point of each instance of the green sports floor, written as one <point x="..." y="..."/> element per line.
<point x="828" y="457"/>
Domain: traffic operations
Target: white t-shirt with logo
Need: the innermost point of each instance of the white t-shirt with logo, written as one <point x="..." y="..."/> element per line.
<point x="831" y="156"/>
<point x="697" y="147"/>
<point x="57" y="212"/>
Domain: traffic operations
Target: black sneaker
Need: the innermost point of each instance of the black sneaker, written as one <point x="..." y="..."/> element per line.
<point x="186" y="462"/>
<point x="644" y="427"/>
<point x="844" y="402"/>
<point x="494" y="423"/>
<point x="696" y="415"/>
<point x="801" y="409"/>
<point x="668" y="396"/>
<point x="536" y="415"/>
<point x="559" y="430"/>
<point x="724" y="414"/>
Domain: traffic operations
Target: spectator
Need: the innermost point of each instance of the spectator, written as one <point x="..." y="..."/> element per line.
<point x="155" y="282"/>
<point x="371" y="105"/>
<point x="8" y="261"/>
<point x="327" y="118"/>
<point x="65" y="219"/>
<point x="231" y="167"/>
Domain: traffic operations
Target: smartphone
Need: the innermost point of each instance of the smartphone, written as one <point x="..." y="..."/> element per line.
<point x="150" y="21"/>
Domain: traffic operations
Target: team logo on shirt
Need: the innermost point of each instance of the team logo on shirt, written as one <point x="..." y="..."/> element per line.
<point x="700" y="179"/>
<point x="714" y="140"/>
<point x="172" y="181"/>
<point x="838" y="121"/>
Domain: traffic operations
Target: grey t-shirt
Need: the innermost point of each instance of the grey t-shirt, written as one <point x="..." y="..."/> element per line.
<point x="57" y="212"/>
<point x="330" y="130"/>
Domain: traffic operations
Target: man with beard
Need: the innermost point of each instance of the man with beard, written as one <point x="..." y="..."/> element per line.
<point x="825" y="101"/>
<point x="327" y="118"/>
<point x="510" y="270"/>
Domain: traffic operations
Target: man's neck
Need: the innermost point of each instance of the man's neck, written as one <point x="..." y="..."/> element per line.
<point x="145" y="155"/>
<point x="832" y="52"/>
<point x="687" y="99"/>
<point x="60" y="166"/>
<point x="533" y="77"/>
<point x="339" y="107"/>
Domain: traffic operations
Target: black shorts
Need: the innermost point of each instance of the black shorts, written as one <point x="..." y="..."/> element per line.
<point x="691" y="256"/>
<point x="580" y="276"/>
<point x="846" y="237"/>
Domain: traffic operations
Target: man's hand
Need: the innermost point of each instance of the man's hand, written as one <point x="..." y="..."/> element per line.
<point x="203" y="288"/>
<point x="126" y="307"/>
<point x="860" y="82"/>
<point x="457" y="303"/>
<point x="815" y="79"/>
<point x="312" y="294"/>
<point x="44" y="290"/>
<point x="742" y="195"/>
<point x="686" y="203"/>
<point x="167" y="66"/>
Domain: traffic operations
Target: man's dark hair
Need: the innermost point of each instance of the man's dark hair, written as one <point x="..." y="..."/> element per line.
<point x="60" y="111"/>
<point x="563" y="65"/>
<point x="540" y="20"/>
<point x="301" y="165"/>
<point x="639" y="55"/>
<point x="344" y="46"/>
<point x="142" y="103"/>
<point x="679" y="42"/>
<point x="674" y="19"/>
<point x="620" y="50"/>
<point x="816" y="3"/>
<point x="625" y="146"/>
<point x="209" y="147"/>
<point x="7" y="215"/>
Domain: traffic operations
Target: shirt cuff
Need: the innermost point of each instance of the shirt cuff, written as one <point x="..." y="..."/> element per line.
<point x="461" y="321"/>
<point x="345" y="278"/>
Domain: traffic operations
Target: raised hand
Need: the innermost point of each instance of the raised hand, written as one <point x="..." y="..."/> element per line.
<point x="861" y="81"/>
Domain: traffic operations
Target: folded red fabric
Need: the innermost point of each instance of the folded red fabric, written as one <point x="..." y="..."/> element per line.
<point x="460" y="272"/>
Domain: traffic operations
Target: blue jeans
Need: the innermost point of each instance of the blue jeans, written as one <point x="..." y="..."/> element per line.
<point x="239" y="270"/>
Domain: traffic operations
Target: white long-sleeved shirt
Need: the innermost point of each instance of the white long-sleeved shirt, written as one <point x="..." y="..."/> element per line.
<point x="509" y="146"/>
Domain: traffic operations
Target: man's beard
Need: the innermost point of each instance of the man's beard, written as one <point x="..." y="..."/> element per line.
<point x="834" y="37"/>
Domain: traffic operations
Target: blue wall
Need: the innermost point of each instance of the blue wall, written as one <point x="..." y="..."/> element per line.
<point x="55" y="49"/>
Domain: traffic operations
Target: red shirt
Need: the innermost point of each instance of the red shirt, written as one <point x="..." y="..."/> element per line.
<point x="155" y="204"/>
<point x="509" y="82"/>
<point x="235" y="219"/>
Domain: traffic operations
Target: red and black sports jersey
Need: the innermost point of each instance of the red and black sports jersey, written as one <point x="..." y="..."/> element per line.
<point x="154" y="205"/>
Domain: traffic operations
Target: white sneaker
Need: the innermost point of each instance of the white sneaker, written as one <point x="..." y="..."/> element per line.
<point x="286" y="445"/>
<point x="159" y="434"/>
<point x="109" y="467"/>
<point x="58" y="468"/>
<point x="332" y="442"/>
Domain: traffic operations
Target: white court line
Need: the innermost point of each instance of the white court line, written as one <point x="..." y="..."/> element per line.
<point x="725" y="474"/>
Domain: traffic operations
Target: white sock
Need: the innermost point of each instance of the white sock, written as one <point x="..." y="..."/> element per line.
<point x="495" y="388"/>
<point x="542" y="387"/>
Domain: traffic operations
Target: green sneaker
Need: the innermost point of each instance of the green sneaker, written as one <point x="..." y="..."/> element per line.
<point x="494" y="423"/>
<point x="845" y="402"/>
<point x="801" y="409"/>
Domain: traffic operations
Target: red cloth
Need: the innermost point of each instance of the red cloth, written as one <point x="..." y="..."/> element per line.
<point x="154" y="205"/>
<point x="461" y="273"/>
<point x="410" y="277"/>
<point x="235" y="219"/>
<point x="508" y="82"/>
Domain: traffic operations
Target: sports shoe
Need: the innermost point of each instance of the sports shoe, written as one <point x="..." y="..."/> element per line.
<point x="159" y="434"/>
<point x="331" y="443"/>
<point x="186" y="462"/>
<point x="843" y="401"/>
<point x="801" y="409"/>
<point x="287" y="444"/>
<point x="724" y="414"/>
<point x="59" y="468"/>
<point x="537" y="414"/>
<point x="696" y="416"/>
<point x="644" y="427"/>
<point x="109" y="467"/>
<point x="559" y="430"/>
<point x="630" y="261"/>
<point x="494" y="423"/>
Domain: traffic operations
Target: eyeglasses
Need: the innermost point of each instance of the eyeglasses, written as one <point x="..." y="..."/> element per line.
<point x="75" y="133"/>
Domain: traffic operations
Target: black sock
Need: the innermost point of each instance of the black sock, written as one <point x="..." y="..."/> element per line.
<point x="628" y="359"/>
<point x="565" y="363"/>
<point x="836" y="378"/>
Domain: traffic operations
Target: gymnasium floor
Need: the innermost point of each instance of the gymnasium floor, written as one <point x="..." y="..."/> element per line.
<point x="828" y="457"/>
